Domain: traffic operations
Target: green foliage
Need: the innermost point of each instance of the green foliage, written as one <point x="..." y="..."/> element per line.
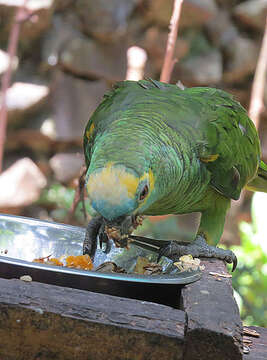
<point x="59" y="195"/>
<point x="60" y="198"/>
<point x="250" y="278"/>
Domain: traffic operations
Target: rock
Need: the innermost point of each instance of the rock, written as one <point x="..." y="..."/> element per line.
<point x="194" y="12"/>
<point x="221" y="30"/>
<point x="203" y="69"/>
<point x="24" y="99"/>
<point x="22" y="184"/>
<point x="61" y="5"/>
<point x="103" y="19"/>
<point x="252" y="13"/>
<point x="30" y="29"/>
<point x="4" y="62"/>
<point x="63" y="30"/>
<point x="155" y="41"/>
<point x="73" y="101"/>
<point x="66" y="166"/>
<point x="227" y="4"/>
<point x="88" y="58"/>
<point x="242" y="57"/>
<point x="30" y="139"/>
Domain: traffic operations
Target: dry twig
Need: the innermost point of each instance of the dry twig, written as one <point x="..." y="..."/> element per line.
<point x="174" y="25"/>
<point x="136" y="61"/>
<point x="218" y="274"/>
<point x="250" y="332"/>
<point x="78" y="196"/>
<point x="256" y="106"/>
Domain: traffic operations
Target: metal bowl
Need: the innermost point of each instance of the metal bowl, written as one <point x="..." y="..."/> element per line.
<point x="24" y="239"/>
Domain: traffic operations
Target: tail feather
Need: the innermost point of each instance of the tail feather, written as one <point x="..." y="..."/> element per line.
<point x="259" y="183"/>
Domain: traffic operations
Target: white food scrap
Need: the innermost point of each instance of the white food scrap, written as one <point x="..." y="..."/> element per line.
<point x="26" y="278"/>
<point x="188" y="263"/>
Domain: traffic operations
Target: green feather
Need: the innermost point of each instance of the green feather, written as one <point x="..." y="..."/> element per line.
<point x="259" y="183"/>
<point x="199" y="143"/>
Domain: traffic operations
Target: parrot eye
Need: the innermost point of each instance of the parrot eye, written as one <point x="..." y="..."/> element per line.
<point x="143" y="193"/>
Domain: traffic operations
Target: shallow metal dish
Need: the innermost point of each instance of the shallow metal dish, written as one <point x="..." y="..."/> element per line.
<point x="24" y="239"/>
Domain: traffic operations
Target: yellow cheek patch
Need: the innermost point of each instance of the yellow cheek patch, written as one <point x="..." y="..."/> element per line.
<point x="89" y="132"/>
<point x="113" y="184"/>
<point x="116" y="185"/>
<point x="130" y="182"/>
<point x="151" y="180"/>
<point x="150" y="177"/>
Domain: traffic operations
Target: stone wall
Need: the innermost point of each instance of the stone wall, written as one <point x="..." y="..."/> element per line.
<point x="72" y="51"/>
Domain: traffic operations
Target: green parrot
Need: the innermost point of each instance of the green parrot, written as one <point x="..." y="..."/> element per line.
<point x="153" y="148"/>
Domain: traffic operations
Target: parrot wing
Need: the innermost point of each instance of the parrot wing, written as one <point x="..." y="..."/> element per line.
<point x="229" y="144"/>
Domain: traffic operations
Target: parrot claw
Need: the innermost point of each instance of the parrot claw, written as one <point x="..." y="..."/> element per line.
<point x="104" y="239"/>
<point x="198" y="248"/>
<point x="90" y="240"/>
<point x="94" y="230"/>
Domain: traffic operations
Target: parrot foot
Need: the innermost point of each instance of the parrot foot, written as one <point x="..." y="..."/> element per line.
<point x="95" y="228"/>
<point x="106" y="231"/>
<point x="198" y="248"/>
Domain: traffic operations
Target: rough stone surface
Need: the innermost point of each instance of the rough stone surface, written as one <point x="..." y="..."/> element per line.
<point x="144" y="23"/>
<point x="243" y="55"/>
<point x="61" y="5"/>
<point x="155" y="41"/>
<point x="66" y="166"/>
<point x="221" y="29"/>
<point x="24" y="99"/>
<point x="63" y="30"/>
<point x="113" y="14"/>
<point x="30" y="139"/>
<point x="194" y="12"/>
<point x="73" y="101"/>
<point x="204" y="69"/>
<point x="22" y="184"/>
<point x="252" y="13"/>
<point x="85" y="57"/>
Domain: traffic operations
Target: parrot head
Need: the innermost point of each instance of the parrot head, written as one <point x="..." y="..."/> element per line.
<point x="119" y="194"/>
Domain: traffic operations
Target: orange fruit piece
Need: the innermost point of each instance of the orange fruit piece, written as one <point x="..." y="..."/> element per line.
<point x="55" y="261"/>
<point x="79" y="262"/>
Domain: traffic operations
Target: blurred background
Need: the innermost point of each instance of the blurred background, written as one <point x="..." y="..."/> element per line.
<point x="69" y="54"/>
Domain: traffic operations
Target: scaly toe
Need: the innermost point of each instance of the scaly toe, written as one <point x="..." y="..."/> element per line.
<point x="198" y="248"/>
<point x="90" y="240"/>
<point x="231" y="259"/>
